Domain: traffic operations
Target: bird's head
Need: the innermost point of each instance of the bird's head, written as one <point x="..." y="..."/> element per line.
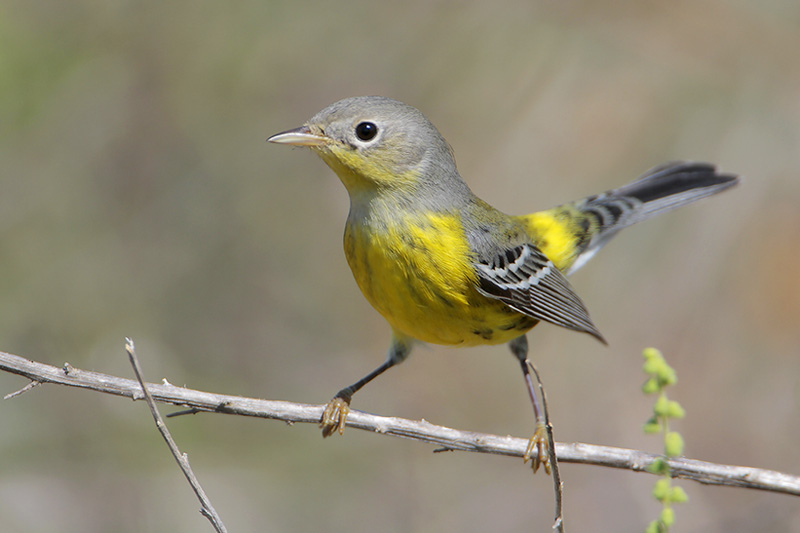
<point x="375" y="143"/>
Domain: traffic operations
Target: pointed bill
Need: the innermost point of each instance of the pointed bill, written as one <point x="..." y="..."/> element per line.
<point x="301" y="136"/>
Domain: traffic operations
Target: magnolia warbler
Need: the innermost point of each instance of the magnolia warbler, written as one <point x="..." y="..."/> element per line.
<point x="443" y="266"/>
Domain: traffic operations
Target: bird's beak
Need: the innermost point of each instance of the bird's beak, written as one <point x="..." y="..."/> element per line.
<point x="301" y="136"/>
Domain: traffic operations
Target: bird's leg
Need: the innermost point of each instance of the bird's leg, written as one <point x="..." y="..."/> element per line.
<point x="334" y="417"/>
<point x="538" y="448"/>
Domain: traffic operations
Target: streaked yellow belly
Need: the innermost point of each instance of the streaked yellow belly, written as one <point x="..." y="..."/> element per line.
<point x="418" y="274"/>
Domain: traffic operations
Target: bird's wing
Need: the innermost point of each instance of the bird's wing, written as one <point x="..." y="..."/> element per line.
<point x="527" y="281"/>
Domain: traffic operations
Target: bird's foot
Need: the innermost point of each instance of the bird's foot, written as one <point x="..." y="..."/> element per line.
<point x="538" y="451"/>
<point x="334" y="417"/>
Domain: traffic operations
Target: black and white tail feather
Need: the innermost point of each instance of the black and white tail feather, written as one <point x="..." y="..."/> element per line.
<point x="527" y="281"/>
<point x="659" y="190"/>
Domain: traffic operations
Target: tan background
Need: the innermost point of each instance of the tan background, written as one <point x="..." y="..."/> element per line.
<point x="139" y="198"/>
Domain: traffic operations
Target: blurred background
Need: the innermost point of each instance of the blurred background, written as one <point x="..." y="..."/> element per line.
<point x="138" y="198"/>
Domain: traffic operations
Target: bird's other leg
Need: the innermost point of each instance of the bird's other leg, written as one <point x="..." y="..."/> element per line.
<point x="334" y="418"/>
<point x="538" y="448"/>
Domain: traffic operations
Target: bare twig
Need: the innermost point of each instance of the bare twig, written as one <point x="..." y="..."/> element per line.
<point x="448" y="438"/>
<point x="206" y="509"/>
<point x="558" y="485"/>
<point x="23" y="390"/>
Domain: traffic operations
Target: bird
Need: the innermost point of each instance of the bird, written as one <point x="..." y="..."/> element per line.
<point x="444" y="267"/>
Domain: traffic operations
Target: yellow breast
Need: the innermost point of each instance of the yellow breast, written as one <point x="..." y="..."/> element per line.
<point x="418" y="273"/>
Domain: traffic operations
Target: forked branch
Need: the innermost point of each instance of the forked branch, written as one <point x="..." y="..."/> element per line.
<point x="207" y="509"/>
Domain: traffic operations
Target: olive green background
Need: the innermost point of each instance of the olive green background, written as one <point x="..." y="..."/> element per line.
<point x="138" y="198"/>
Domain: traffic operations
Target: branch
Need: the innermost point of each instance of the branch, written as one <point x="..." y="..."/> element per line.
<point x="206" y="508"/>
<point x="448" y="438"/>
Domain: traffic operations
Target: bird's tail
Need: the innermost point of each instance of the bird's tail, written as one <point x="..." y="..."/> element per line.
<point x="594" y="220"/>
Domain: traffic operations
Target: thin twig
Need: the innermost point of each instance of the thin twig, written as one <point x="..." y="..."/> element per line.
<point x="444" y="437"/>
<point x="206" y="509"/>
<point x="23" y="390"/>
<point x="558" y="485"/>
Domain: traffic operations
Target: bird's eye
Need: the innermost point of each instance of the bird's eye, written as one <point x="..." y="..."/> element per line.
<point x="366" y="131"/>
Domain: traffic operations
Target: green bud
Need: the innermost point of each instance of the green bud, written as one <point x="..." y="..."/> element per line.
<point x="659" y="466"/>
<point x="661" y="408"/>
<point x="652" y="426"/>
<point x="662" y="491"/>
<point x="667" y="375"/>
<point x="653" y="527"/>
<point x="652" y="353"/>
<point x="668" y="517"/>
<point x="653" y="366"/>
<point x="673" y="444"/>
<point x="678" y="495"/>
<point x="651" y="386"/>
<point x="674" y="410"/>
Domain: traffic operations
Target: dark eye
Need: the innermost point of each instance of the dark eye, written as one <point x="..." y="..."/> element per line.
<point x="366" y="131"/>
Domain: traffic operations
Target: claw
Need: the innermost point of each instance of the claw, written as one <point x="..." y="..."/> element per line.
<point x="334" y="417"/>
<point x="538" y="451"/>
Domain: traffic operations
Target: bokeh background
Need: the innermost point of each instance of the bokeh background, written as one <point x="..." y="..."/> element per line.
<point x="138" y="197"/>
